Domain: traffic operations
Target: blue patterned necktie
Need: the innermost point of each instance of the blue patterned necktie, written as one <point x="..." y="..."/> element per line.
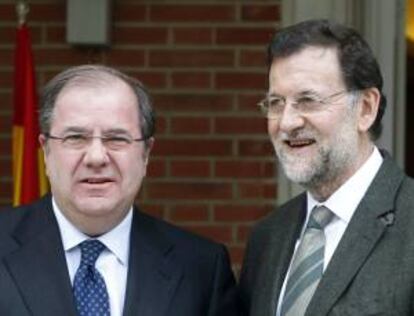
<point x="89" y="286"/>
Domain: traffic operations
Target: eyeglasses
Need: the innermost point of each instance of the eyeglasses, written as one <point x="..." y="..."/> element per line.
<point x="80" y="141"/>
<point x="273" y="106"/>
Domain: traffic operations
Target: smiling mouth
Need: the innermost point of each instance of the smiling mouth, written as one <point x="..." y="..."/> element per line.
<point x="299" y="143"/>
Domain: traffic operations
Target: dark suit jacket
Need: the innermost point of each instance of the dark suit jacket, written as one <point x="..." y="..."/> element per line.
<point x="371" y="271"/>
<point x="171" y="272"/>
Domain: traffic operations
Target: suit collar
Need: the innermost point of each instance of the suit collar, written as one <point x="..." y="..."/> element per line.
<point x="38" y="264"/>
<point x="153" y="273"/>
<point x="369" y="222"/>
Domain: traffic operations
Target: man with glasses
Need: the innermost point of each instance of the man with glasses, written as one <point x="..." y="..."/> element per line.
<point x="85" y="249"/>
<point x="346" y="245"/>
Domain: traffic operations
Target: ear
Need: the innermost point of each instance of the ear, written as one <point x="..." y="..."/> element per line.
<point x="368" y="108"/>
<point x="148" y="147"/>
<point x="43" y="142"/>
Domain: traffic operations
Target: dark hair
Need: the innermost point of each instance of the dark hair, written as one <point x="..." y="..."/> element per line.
<point x="95" y="75"/>
<point x="359" y="67"/>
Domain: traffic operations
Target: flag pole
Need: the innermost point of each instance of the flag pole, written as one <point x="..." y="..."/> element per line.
<point x="22" y="9"/>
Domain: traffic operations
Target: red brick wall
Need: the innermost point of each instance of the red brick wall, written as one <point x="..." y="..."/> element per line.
<point x="212" y="169"/>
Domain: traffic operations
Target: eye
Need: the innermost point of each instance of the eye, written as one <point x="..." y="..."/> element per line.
<point x="275" y="103"/>
<point x="116" y="142"/>
<point x="75" y="139"/>
<point x="307" y="102"/>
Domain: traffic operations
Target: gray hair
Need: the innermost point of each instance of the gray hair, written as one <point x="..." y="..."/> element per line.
<point x="95" y="74"/>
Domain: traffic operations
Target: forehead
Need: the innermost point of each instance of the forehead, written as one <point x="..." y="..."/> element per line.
<point x="312" y="68"/>
<point x="105" y="105"/>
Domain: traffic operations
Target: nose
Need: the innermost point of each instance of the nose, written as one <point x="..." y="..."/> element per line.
<point x="96" y="155"/>
<point x="291" y="119"/>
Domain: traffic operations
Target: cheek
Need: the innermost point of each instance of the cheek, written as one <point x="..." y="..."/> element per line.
<point x="272" y="127"/>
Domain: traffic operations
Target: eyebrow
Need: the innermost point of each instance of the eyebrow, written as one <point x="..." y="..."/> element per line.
<point x="77" y="129"/>
<point x="301" y="93"/>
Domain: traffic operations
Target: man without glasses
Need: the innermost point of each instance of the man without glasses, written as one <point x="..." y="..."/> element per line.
<point x="346" y="245"/>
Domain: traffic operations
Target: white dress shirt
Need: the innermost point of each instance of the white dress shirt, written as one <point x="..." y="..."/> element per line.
<point x="112" y="262"/>
<point x="343" y="203"/>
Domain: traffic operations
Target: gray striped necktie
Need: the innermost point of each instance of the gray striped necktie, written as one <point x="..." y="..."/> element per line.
<point x="307" y="265"/>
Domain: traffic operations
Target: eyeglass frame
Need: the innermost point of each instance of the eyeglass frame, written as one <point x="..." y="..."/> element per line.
<point x="88" y="138"/>
<point x="304" y="110"/>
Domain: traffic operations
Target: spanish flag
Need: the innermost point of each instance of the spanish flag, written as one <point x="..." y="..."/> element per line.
<point x="29" y="179"/>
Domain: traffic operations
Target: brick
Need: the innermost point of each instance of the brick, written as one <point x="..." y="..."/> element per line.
<point x="6" y="192"/>
<point x="5" y="143"/>
<point x="160" y="125"/>
<point x="190" y="168"/>
<point x="130" y="12"/>
<point x="244" y="169"/>
<point x="253" y="190"/>
<point x="240" y="125"/>
<point x="64" y="56"/>
<point x="260" y="13"/>
<point x="239" y="213"/>
<point x="152" y="79"/>
<point x="6" y="79"/>
<point x="156" y="210"/>
<point x="189" y="213"/>
<point x="240" y="80"/>
<point x="191" y="58"/>
<point x="56" y="34"/>
<point x="193" y="35"/>
<point x="8" y="12"/>
<point x="255" y="148"/>
<point x="7" y="56"/>
<point x="192" y="13"/>
<point x="48" y="12"/>
<point x="5" y="122"/>
<point x="156" y="168"/>
<point x="244" y="35"/>
<point x="193" y="102"/>
<point x="6" y="167"/>
<point x="248" y="102"/>
<point x="6" y="101"/>
<point x="139" y="35"/>
<point x="221" y="234"/>
<point x="253" y="58"/>
<point x="243" y="232"/>
<point x="194" y="148"/>
<point x="194" y="80"/>
<point x="126" y="57"/>
<point x="190" y="125"/>
<point x="188" y="190"/>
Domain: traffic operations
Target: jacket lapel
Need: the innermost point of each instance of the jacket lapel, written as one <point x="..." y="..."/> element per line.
<point x="371" y="219"/>
<point x="153" y="274"/>
<point x="38" y="265"/>
<point x="278" y="244"/>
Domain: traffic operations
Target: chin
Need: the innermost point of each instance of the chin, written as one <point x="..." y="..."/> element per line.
<point x="96" y="206"/>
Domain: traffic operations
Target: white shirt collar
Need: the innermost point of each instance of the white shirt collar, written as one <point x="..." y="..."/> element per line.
<point x="116" y="240"/>
<point x="344" y="201"/>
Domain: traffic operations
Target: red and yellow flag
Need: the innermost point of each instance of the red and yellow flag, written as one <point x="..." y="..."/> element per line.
<point x="29" y="179"/>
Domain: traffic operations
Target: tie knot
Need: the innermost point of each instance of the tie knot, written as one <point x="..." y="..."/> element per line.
<point x="90" y="249"/>
<point x="320" y="217"/>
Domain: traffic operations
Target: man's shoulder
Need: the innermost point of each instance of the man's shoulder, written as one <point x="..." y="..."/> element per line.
<point x="11" y="216"/>
<point x="283" y="212"/>
<point x="182" y="238"/>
